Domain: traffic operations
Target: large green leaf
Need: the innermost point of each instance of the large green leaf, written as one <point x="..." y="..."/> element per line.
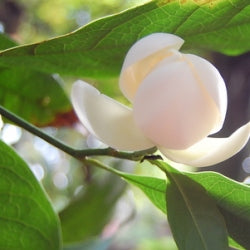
<point x="154" y="188"/>
<point x="35" y="96"/>
<point x="92" y="210"/>
<point x="199" y="193"/>
<point x="27" y="220"/>
<point x="6" y="42"/>
<point x="98" y="49"/>
<point x="195" y="221"/>
<point x="233" y="199"/>
<point x="229" y="194"/>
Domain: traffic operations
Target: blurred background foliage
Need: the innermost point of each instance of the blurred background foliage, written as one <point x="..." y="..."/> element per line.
<point x="97" y="209"/>
<point x="35" y="20"/>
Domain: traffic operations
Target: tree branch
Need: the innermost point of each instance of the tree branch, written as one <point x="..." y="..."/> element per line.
<point x="76" y="153"/>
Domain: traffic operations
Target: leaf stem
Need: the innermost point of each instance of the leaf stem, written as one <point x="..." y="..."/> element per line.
<point x="102" y="165"/>
<point x="76" y="153"/>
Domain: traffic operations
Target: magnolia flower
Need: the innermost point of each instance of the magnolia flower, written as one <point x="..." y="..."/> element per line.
<point x="178" y="100"/>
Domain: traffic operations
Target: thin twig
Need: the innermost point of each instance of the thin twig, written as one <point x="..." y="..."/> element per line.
<point x="76" y="153"/>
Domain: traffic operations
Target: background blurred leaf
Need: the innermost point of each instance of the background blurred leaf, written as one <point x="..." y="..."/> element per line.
<point x="35" y="96"/>
<point x="86" y="216"/>
<point x="98" y="49"/>
<point x="158" y="244"/>
<point x="27" y="220"/>
<point x="94" y="244"/>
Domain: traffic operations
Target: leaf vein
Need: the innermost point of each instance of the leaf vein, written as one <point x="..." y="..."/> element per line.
<point x="189" y="206"/>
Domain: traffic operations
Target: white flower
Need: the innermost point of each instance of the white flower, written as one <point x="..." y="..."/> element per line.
<point x="178" y="100"/>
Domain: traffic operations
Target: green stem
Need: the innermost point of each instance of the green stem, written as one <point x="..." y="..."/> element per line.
<point x="102" y="165"/>
<point x="76" y="153"/>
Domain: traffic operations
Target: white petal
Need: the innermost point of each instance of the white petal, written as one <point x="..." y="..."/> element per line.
<point x="142" y="57"/>
<point x="211" y="151"/>
<point x="214" y="84"/>
<point x="173" y="108"/>
<point x="151" y="44"/>
<point x="110" y="121"/>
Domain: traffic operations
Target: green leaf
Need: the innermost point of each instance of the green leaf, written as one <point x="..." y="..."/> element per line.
<point x="35" y="96"/>
<point x="98" y="49"/>
<point x="234" y="244"/>
<point x="6" y="42"/>
<point x="86" y="216"/>
<point x="154" y="188"/>
<point x="233" y="200"/>
<point x="210" y="188"/>
<point x="27" y="220"/>
<point x="238" y="229"/>
<point x="193" y="216"/>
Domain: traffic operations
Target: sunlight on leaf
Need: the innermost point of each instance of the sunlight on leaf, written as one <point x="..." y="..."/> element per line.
<point x="98" y="49"/>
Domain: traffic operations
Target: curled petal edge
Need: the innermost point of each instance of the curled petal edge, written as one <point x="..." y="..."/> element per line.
<point x="150" y="44"/>
<point x="110" y="121"/>
<point x="142" y="57"/>
<point x="210" y="151"/>
<point x="209" y="78"/>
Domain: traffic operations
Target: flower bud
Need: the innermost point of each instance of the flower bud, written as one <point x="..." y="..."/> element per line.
<point x="178" y="101"/>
